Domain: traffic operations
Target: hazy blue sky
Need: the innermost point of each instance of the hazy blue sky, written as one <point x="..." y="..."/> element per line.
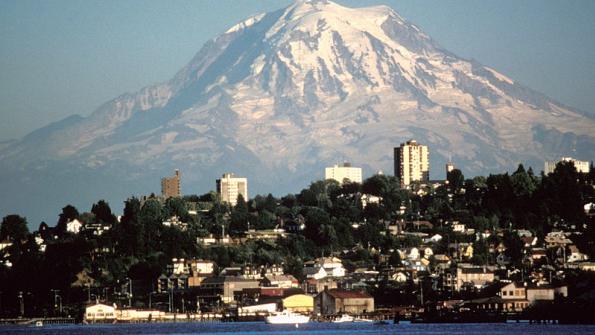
<point x="59" y="58"/>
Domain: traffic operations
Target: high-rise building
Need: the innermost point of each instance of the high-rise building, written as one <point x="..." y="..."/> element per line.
<point x="170" y="186"/>
<point x="344" y="172"/>
<point x="581" y="166"/>
<point x="412" y="163"/>
<point x="230" y="186"/>
<point x="449" y="167"/>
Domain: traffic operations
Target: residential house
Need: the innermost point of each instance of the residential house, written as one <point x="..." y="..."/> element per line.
<point x="96" y="229"/>
<point x="576" y="255"/>
<point x="184" y="273"/>
<point x="265" y="234"/>
<point x="323" y="267"/>
<point x="399" y="277"/>
<point x="524" y="233"/>
<point x="587" y="266"/>
<point x="314" y="272"/>
<point x="517" y="296"/>
<point x="434" y="239"/>
<point x="538" y="253"/>
<point x="514" y="296"/>
<point x="313" y="286"/>
<point x="224" y="288"/>
<point x="557" y="239"/>
<point x="74" y="226"/>
<point x="175" y="222"/>
<point x="529" y="241"/>
<point x="332" y="265"/>
<point x="369" y="199"/>
<point x="282" y="281"/>
<point x="473" y="275"/>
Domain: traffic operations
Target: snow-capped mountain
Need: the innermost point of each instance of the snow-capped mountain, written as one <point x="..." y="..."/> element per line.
<point x="279" y="96"/>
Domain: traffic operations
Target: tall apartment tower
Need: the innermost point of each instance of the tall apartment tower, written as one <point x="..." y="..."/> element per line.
<point x="344" y="172"/>
<point x="230" y="186"/>
<point x="412" y="163"/>
<point x="170" y="186"/>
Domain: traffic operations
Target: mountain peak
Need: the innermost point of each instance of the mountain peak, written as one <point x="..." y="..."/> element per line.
<point x="279" y="96"/>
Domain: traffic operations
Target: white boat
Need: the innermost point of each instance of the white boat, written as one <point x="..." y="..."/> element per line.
<point x="344" y="318"/>
<point x="363" y="320"/>
<point x="286" y="317"/>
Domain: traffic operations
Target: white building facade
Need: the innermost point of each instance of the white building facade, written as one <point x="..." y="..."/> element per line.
<point x="412" y="163"/>
<point x="343" y="173"/>
<point x="230" y="187"/>
<point x="581" y="166"/>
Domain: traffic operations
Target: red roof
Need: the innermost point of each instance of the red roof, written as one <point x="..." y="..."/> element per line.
<point x="342" y="294"/>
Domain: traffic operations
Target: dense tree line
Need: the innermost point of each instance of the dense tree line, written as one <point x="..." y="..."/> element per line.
<point x="138" y="246"/>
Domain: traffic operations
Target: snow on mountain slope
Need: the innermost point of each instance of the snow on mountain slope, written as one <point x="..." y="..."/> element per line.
<point x="279" y="96"/>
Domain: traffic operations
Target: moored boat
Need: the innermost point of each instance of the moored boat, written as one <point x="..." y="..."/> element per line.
<point x="286" y="317"/>
<point x="344" y="318"/>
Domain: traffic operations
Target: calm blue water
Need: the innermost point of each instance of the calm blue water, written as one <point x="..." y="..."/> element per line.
<point x="311" y="328"/>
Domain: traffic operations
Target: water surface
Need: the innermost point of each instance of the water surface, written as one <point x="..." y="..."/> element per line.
<point x="311" y="328"/>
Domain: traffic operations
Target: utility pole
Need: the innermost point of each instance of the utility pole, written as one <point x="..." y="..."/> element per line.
<point x="22" y="304"/>
<point x="88" y="293"/>
<point x="151" y="299"/>
<point x="129" y="292"/>
<point x="56" y="296"/>
<point x="421" y="285"/>
<point x="171" y="299"/>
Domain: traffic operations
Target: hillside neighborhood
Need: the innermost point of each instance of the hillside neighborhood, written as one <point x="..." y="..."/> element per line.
<point x="494" y="248"/>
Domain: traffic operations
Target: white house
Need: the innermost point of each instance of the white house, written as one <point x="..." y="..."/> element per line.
<point x="315" y="272"/>
<point x="576" y="255"/>
<point x="428" y="252"/>
<point x="282" y="281"/>
<point x="459" y="227"/>
<point x="399" y="277"/>
<point x="413" y="253"/>
<point x="370" y="199"/>
<point x="74" y="226"/>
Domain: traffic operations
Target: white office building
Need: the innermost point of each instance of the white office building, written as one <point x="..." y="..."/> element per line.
<point x="230" y="186"/>
<point x="343" y="173"/>
<point x="581" y="166"/>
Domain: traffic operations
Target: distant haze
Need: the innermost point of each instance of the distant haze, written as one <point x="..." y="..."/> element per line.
<point x="60" y="58"/>
<point x="278" y="96"/>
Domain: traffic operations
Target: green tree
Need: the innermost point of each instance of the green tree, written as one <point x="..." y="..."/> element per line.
<point x="514" y="246"/>
<point x="315" y="219"/>
<point x="151" y="219"/>
<point x="395" y="258"/>
<point x="239" y="217"/>
<point x="455" y="180"/>
<point x="68" y="214"/>
<point x="177" y="207"/>
<point x="14" y="228"/>
<point x="103" y="212"/>
<point x="523" y="184"/>
<point x="130" y="233"/>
